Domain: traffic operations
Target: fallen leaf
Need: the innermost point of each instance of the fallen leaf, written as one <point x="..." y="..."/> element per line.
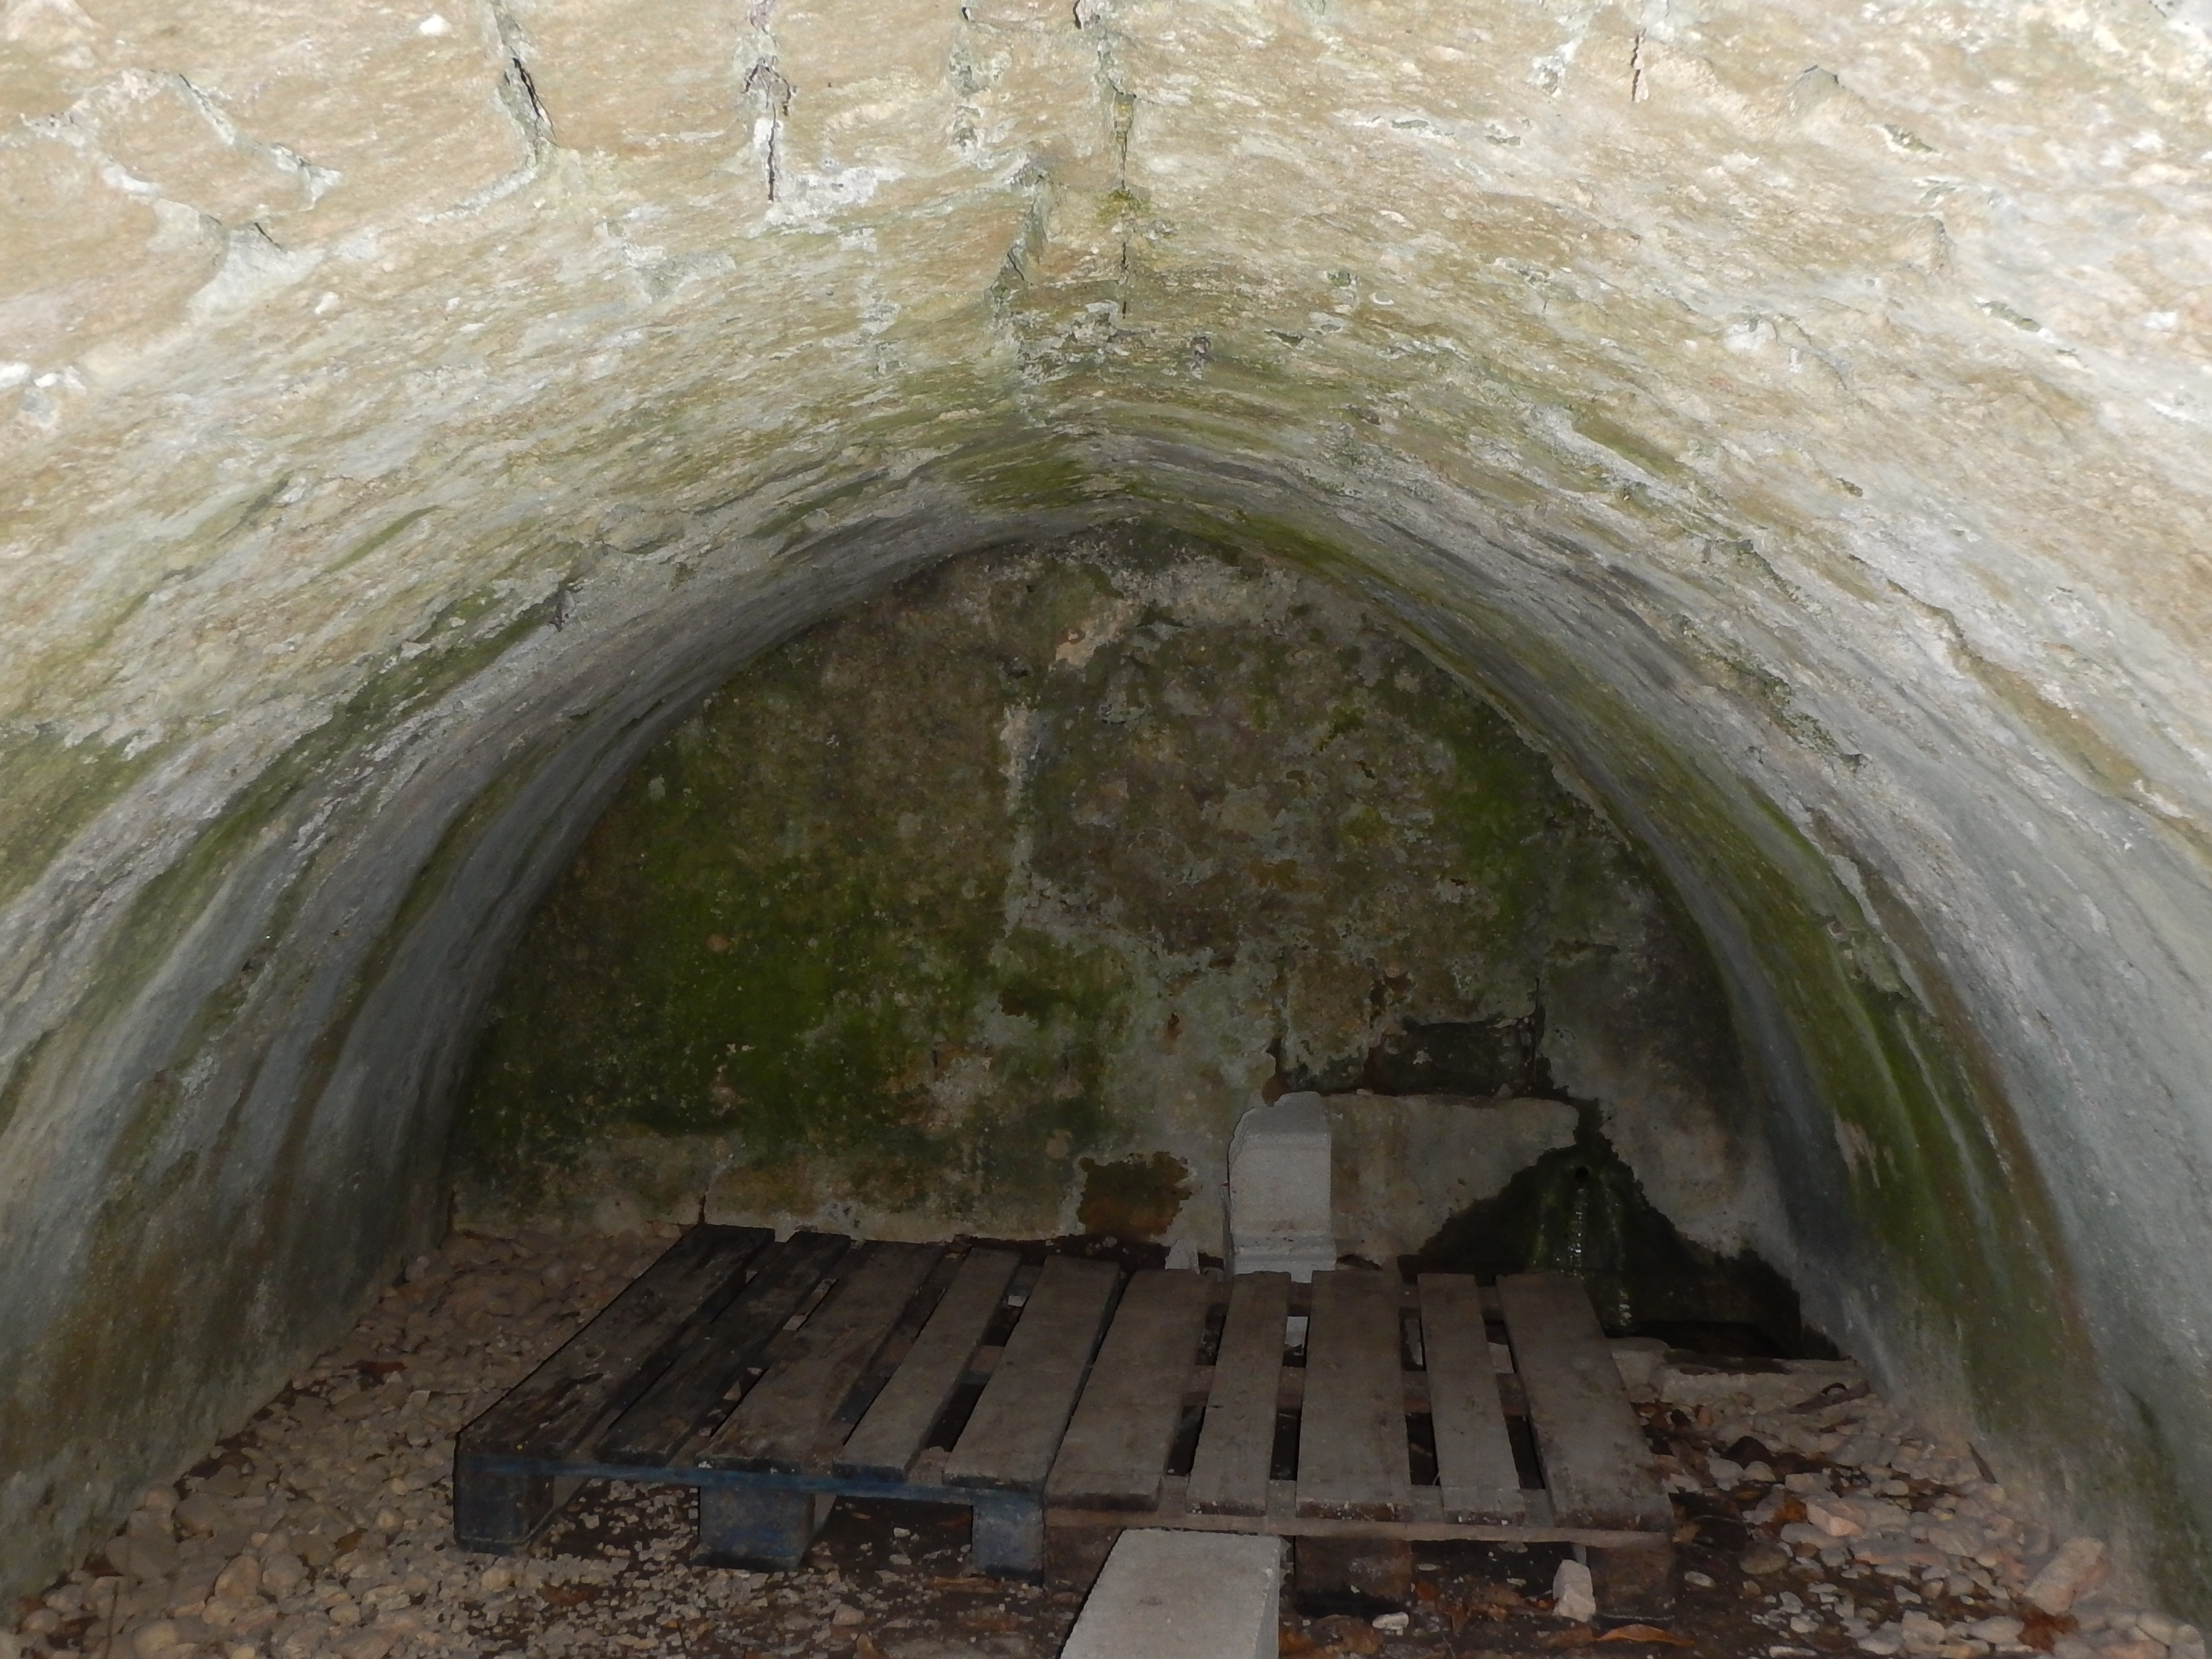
<point x="1646" y="1633"/>
<point x="864" y="1647"/>
<point x="1573" y="1636"/>
<point x="966" y="1581"/>
<point x="568" y="1596"/>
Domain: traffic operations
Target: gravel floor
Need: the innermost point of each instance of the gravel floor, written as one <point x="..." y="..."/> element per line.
<point x="1813" y="1523"/>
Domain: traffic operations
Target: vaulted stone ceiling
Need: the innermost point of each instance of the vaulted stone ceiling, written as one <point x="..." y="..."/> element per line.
<point x="1795" y="416"/>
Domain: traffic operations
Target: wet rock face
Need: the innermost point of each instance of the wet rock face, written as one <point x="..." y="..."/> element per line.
<point x="1792" y="413"/>
<point x="987" y="907"/>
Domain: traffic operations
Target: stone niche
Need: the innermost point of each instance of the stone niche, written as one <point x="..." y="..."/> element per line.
<point x="988" y="906"/>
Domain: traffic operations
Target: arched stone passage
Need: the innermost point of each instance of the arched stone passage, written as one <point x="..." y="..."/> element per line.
<point x="1793" y="420"/>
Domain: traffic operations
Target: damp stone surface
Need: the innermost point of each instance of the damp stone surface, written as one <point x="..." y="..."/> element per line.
<point x="1793" y="417"/>
<point x="989" y="907"/>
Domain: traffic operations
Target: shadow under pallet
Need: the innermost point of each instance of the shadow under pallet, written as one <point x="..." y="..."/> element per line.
<point x="777" y="1377"/>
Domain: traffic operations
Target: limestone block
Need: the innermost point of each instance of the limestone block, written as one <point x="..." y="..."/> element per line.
<point x="1042" y="95"/>
<point x="1182" y="1596"/>
<point x="81" y="261"/>
<point x="651" y="75"/>
<point x="873" y="113"/>
<point x="409" y="112"/>
<point x="172" y="139"/>
<point x="1280" y="1218"/>
<point x="48" y="55"/>
<point x="907" y="44"/>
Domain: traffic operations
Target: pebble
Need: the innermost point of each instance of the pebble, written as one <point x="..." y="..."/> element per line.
<point x="2079" y="1565"/>
<point x="1762" y="1558"/>
<point x="1573" y="1597"/>
<point x="323" y="1531"/>
<point x="1873" y="1500"/>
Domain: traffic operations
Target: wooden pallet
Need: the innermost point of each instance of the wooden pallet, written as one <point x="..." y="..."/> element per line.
<point x="775" y="1377"/>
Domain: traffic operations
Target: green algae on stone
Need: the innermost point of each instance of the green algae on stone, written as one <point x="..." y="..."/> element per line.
<point x="56" y="788"/>
<point x="1043" y="864"/>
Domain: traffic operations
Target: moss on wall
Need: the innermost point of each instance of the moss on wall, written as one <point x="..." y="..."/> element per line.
<point x="990" y="904"/>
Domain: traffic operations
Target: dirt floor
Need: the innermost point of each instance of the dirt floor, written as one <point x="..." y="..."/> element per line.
<point x="1813" y="1520"/>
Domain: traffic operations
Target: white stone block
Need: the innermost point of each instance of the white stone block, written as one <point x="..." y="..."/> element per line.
<point x="1281" y="1216"/>
<point x="1168" y="1594"/>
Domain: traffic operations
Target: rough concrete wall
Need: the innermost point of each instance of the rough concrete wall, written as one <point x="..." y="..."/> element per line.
<point x="1794" y="414"/>
<point x="990" y="906"/>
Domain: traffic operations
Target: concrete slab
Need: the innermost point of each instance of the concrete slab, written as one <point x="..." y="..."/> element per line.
<point x="1167" y="1594"/>
<point x="1282" y="1213"/>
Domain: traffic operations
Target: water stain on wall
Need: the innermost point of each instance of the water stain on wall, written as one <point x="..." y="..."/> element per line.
<point x="1132" y="1197"/>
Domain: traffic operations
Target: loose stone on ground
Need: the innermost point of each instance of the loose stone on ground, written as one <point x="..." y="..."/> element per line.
<point x="1815" y="1519"/>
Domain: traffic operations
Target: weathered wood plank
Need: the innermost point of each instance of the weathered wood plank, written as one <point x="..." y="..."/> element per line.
<point x="1282" y="1519"/>
<point x="1352" y="1435"/>
<point x="693" y="1395"/>
<point x="1016" y="1426"/>
<point x="1597" y="1465"/>
<point x="1116" y="1446"/>
<point x="764" y="1531"/>
<point x="1474" y="1459"/>
<point x="1230" y="1474"/>
<point x="889" y="1437"/>
<point x="781" y="1421"/>
<point x="605" y="1367"/>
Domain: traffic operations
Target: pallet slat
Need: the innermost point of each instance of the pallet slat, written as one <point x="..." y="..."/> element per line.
<point x="1282" y="1519"/>
<point x="1237" y="1441"/>
<point x="1474" y="1459"/>
<point x="1016" y="1426"/>
<point x="780" y="1422"/>
<point x="1353" y="1457"/>
<point x="692" y="1396"/>
<point x="1115" y="1448"/>
<point x="1597" y="1466"/>
<point x="889" y="1436"/>
<point x="606" y="1365"/>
